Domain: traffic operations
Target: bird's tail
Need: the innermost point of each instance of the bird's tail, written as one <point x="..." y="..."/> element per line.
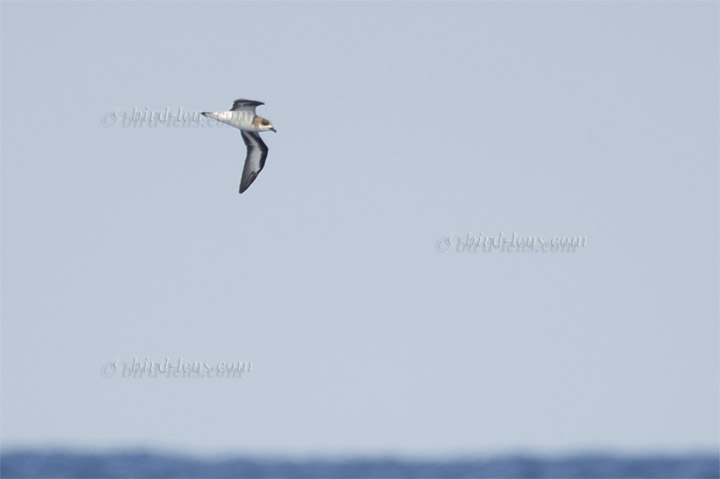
<point x="211" y="114"/>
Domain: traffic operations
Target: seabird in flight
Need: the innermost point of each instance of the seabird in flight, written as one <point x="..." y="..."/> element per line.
<point x="242" y="116"/>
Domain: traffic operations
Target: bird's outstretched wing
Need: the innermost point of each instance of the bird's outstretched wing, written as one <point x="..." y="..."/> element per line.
<point x="255" y="160"/>
<point x="247" y="105"/>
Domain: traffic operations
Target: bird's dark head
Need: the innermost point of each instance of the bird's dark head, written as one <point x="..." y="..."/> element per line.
<point x="263" y="124"/>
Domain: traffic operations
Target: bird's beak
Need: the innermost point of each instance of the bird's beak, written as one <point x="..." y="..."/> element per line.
<point x="273" y="129"/>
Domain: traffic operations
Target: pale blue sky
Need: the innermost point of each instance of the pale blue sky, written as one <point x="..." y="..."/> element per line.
<point x="398" y="123"/>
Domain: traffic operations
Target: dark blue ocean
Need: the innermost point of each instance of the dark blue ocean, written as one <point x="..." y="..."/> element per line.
<point x="19" y="464"/>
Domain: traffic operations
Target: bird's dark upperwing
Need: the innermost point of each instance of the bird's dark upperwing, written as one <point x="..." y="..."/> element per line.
<point x="242" y="104"/>
<point x="255" y="160"/>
